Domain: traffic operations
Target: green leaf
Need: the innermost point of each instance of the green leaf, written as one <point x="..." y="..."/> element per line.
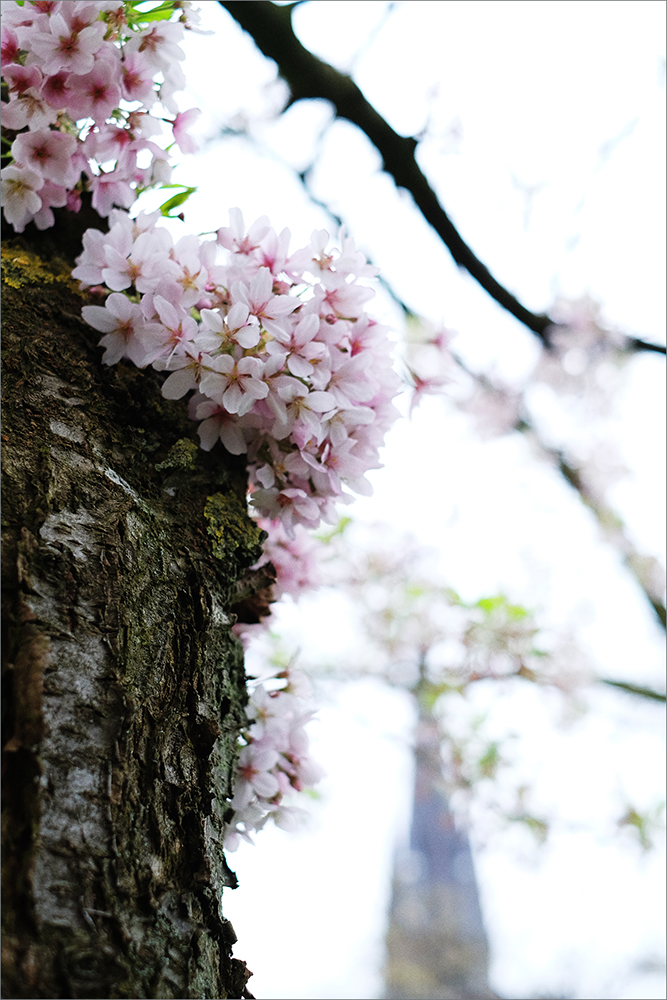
<point x="646" y="824"/>
<point x="312" y="793"/>
<point x="489" y="604"/>
<point x="176" y="200"/>
<point x="144" y="7"/>
<point x="158" y="15"/>
<point x="538" y="827"/>
<point x="136" y="16"/>
<point x="328" y="536"/>
<point x="428" y="692"/>
<point x="489" y="760"/>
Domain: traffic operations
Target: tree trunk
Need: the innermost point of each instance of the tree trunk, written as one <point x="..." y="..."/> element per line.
<point x="123" y="686"/>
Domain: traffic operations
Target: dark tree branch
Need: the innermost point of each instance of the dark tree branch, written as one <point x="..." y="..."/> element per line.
<point x="310" y="78"/>
<point x="637" y="344"/>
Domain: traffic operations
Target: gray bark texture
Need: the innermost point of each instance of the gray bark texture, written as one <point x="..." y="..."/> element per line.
<point x="124" y="554"/>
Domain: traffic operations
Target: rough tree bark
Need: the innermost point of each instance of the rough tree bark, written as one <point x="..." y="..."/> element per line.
<point x="124" y="554"/>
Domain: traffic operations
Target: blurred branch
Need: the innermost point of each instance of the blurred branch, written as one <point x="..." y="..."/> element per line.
<point x="310" y="78"/>
<point x="642" y="692"/>
<point x="612" y="526"/>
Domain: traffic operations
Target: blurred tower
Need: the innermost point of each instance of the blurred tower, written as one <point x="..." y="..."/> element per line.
<point x="436" y="942"/>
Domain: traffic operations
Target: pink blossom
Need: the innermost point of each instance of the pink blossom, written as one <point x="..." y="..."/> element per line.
<point x="301" y="352"/>
<point x="28" y="110"/>
<point x="49" y="153"/>
<point x="285" y="505"/>
<point x="216" y="424"/>
<point x="254" y="767"/>
<point x="62" y="64"/>
<point x="237" y="327"/>
<point x="73" y="201"/>
<point x="144" y="267"/>
<point x="159" y="44"/>
<point x="187" y="370"/>
<point x="342" y="423"/>
<point x="121" y="321"/>
<point x="10" y="46"/>
<point x="93" y="259"/>
<point x="273" y="250"/>
<point x="271" y="310"/>
<point x="295" y="559"/>
<point x="270" y="715"/>
<point x="62" y="48"/>
<point x="339" y="463"/>
<point x="137" y="79"/>
<point x="174" y="330"/>
<point x="349" y="383"/>
<point x="52" y="196"/>
<point x="234" y="238"/>
<point x="55" y="90"/>
<point x="20" y="200"/>
<point x="273" y="762"/>
<point x="110" y="191"/>
<point x="181" y="124"/>
<point x="235" y="384"/>
<point x="96" y="93"/>
<point x="340" y="300"/>
<point x="22" y="78"/>
<point x="302" y="412"/>
<point x="425" y="386"/>
<point x="191" y="273"/>
<point x="82" y="13"/>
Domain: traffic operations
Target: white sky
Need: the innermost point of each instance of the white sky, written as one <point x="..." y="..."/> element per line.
<point x="518" y="96"/>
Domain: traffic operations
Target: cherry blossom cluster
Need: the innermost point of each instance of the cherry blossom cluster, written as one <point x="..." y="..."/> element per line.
<point x="284" y="363"/>
<point x="80" y="82"/>
<point x="273" y="761"/>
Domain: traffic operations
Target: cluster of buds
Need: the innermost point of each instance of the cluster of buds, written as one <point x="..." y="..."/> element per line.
<point x="273" y="761"/>
<point x="80" y="80"/>
<point x="284" y="363"/>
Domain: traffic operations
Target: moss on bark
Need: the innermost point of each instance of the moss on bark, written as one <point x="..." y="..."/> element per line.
<point x="124" y="688"/>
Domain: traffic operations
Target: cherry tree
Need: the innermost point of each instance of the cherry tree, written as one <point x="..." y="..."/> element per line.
<point x="235" y="366"/>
